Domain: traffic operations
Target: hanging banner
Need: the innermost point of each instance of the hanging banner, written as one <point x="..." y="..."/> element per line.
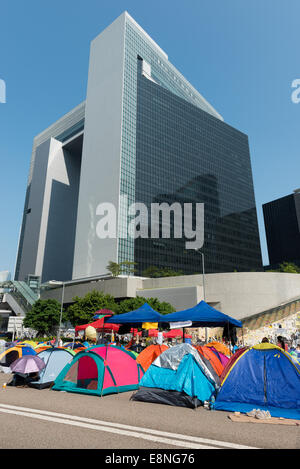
<point x="177" y="325"/>
<point x="149" y="325"/>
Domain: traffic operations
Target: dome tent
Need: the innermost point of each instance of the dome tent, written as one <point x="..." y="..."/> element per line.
<point x="179" y="376"/>
<point x="212" y="357"/>
<point x="100" y="370"/>
<point x="13" y="353"/>
<point x="219" y="347"/>
<point x="231" y="361"/>
<point x="149" y="354"/>
<point x="264" y="377"/>
<point x="221" y="357"/>
<point x="55" y="360"/>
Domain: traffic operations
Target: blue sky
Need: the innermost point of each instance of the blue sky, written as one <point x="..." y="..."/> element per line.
<point x="242" y="55"/>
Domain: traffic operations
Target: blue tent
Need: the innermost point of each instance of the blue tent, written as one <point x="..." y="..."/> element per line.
<point x="179" y="376"/>
<point x="55" y="359"/>
<point x="202" y="315"/>
<point x="143" y="314"/>
<point x="264" y="377"/>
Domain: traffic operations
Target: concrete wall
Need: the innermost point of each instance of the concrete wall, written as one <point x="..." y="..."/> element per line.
<point x="61" y="211"/>
<point x="117" y="287"/>
<point x="100" y="170"/>
<point x="238" y="294"/>
<point x="179" y="297"/>
<point x="33" y="224"/>
<point x="29" y="234"/>
<point x="48" y="245"/>
<point x="243" y="294"/>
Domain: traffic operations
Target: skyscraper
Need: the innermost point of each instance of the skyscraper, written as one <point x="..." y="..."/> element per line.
<point x="143" y="135"/>
<point x="282" y="224"/>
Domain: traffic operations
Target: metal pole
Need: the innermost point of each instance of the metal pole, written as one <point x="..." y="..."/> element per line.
<point x="203" y="275"/>
<point x="204" y="295"/>
<point x="61" y="310"/>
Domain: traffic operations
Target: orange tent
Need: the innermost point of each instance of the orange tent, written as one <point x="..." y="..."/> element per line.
<point x="78" y="349"/>
<point x="40" y="348"/>
<point x="213" y="359"/>
<point x="149" y="354"/>
<point x="220" y="348"/>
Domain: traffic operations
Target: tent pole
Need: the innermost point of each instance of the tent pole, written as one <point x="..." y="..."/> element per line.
<point x="228" y="334"/>
<point x="204" y="295"/>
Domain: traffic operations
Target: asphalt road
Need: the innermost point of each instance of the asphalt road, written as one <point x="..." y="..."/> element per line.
<point x="47" y="419"/>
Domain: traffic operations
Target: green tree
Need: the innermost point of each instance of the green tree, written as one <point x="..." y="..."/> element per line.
<point x="128" y="267"/>
<point x="156" y="272"/>
<point x="131" y="304"/>
<point x="114" y="268"/>
<point x="44" y="317"/>
<point x="82" y="310"/>
<point x="289" y="267"/>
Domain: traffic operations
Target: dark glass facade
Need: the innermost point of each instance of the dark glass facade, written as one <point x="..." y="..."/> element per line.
<point x="282" y="225"/>
<point x="184" y="154"/>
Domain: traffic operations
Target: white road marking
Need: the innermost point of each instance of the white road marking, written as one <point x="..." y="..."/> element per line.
<point x="157" y="436"/>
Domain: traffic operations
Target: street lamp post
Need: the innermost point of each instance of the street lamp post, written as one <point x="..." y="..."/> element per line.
<point x="203" y="281"/>
<point x="56" y="282"/>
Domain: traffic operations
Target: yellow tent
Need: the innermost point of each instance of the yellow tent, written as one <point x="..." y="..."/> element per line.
<point x="31" y="343"/>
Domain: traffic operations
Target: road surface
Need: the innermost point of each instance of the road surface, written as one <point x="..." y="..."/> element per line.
<point x="47" y="419"/>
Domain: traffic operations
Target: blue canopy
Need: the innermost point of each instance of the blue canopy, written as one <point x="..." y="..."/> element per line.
<point x="202" y="315"/>
<point x="143" y="314"/>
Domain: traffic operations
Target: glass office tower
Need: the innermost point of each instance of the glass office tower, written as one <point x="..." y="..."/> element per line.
<point x="144" y="134"/>
<point x="176" y="148"/>
<point x="282" y="225"/>
<point x="184" y="154"/>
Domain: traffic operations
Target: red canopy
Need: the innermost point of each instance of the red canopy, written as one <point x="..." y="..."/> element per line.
<point x="99" y="324"/>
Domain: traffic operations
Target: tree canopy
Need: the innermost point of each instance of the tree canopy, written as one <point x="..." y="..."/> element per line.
<point x="83" y="308"/>
<point x="156" y="272"/>
<point x="131" y="304"/>
<point x="125" y="267"/>
<point x="287" y="267"/>
<point x="44" y="316"/>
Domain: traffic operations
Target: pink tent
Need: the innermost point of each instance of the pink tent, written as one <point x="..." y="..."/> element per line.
<point x="100" y="370"/>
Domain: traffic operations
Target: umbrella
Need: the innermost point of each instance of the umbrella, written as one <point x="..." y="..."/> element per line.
<point x="27" y="364"/>
<point x="103" y="312"/>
